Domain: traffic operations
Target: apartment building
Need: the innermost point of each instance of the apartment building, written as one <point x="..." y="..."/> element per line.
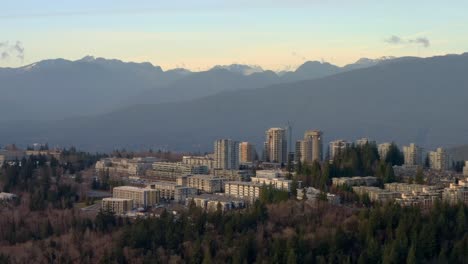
<point x="439" y="159"/>
<point x="207" y="161"/>
<point x="125" y="167"/>
<point x="465" y="169"/>
<point x="233" y="175"/>
<point x="117" y="205"/>
<point x="247" y="152"/>
<point x="338" y="146"/>
<point x="172" y="191"/>
<point x="383" y="149"/>
<point x="205" y="183"/>
<point x="413" y="155"/>
<point x="272" y="177"/>
<point x="247" y="190"/>
<point x="226" y="152"/>
<point x="211" y="202"/>
<point x="376" y="194"/>
<point x="172" y="170"/>
<point x="310" y="149"/>
<point x="355" y="181"/>
<point x="276" y="146"/>
<point x="457" y="192"/>
<point x="142" y="197"/>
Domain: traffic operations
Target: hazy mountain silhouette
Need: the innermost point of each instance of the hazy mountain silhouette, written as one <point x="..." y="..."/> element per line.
<point x="403" y="100"/>
<point x="60" y="88"/>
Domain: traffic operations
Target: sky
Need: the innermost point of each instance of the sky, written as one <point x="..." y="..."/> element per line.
<point x="277" y="35"/>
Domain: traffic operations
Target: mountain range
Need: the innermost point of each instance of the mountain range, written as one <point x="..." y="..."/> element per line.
<point x="421" y="100"/>
<point x="58" y="89"/>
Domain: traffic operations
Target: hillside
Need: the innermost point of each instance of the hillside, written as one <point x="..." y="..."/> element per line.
<point x="405" y="100"/>
<point x="59" y="89"/>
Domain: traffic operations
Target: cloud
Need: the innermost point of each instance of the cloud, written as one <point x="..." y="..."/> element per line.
<point x="422" y="41"/>
<point x="4" y="55"/>
<point x="297" y="55"/>
<point x="396" y="40"/>
<point x="18" y="47"/>
<point x="7" y="51"/>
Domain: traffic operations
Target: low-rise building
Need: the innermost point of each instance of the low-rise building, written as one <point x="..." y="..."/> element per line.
<point x="247" y="190"/>
<point x="233" y="175"/>
<point x="355" y="181"/>
<point x="207" y="161"/>
<point x="205" y="183"/>
<point x="211" y="202"/>
<point x="172" y="170"/>
<point x="7" y="196"/>
<point x="142" y="197"/>
<point x="376" y="194"/>
<point x="410" y="188"/>
<point x="125" y="167"/>
<point x="457" y="192"/>
<point x="313" y="194"/>
<point x="272" y="178"/>
<point x="172" y="191"/>
<point x="117" y="205"/>
<point x="10" y="155"/>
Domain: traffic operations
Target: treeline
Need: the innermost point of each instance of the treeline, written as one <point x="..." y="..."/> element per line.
<point x="40" y="178"/>
<point x="293" y="232"/>
<point x="356" y="160"/>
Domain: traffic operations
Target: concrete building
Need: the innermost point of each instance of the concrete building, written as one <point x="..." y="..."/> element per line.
<point x="465" y="169"/>
<point x="313" y="194"/>
<point x="246" y="152"/>
<point x="338" y="146"/>
<point x="439" y="160"/>
<point x="7" y="196"/>
<point x="376" y="194"/>
<point x="246" y="190"/>
<point x="11" y="155"/>
<point x="142" y="197"/>
<point x="125" y="167"/>
<point x="172" y="190"/>
<point x="363" y="141"/>
<point x="207" y="161"/>
<point x="413" y="155"/>
<point x="276" y="146"/>
<point x="211" y="202"/>
<point x="355" y="181"/>
<point x="226" y="152"/>
<point x="117" y="205"/>
<point x="172" y="170"/>
<point x="383" y="149"/>
<point x="410" y="188"/>
<point x="457" y="192"/>
<point x="205" y="183"/>
<point x="233" y="175"/>
<point x="310" y="149"/>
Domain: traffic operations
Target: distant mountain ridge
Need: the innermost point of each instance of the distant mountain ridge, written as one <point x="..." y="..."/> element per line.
<point x="403" y="100"/>
<point x="59" y="88"/>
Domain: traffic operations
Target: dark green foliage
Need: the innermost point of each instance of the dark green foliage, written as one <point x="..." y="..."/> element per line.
<point x="270" y="194"/>
<point x="394" y="156"/>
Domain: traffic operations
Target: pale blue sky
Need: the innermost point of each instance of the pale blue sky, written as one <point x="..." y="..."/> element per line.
<point x="198" y="34"/>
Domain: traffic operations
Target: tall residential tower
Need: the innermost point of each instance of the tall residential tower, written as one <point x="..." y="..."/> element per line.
<point x="276" y="146"/>
<point x="226" y="152"/>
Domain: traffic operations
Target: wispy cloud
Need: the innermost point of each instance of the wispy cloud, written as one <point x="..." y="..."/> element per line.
<point x="422" y="41"/>
<point x="396" y="40"/>
<point x="8" y="50"/>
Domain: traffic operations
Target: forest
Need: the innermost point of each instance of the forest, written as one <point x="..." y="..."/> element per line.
<point x="43" y="226"/>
